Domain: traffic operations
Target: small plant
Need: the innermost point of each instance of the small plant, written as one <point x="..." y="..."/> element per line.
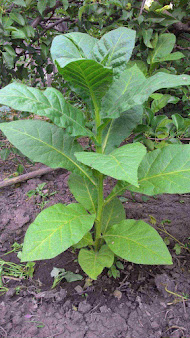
<point x="16" y="247"/>
<point x="114" y="97"/>
<point x="44" y="194"/>
<point x="60" y="274"/>
<point x="114" y="270"/>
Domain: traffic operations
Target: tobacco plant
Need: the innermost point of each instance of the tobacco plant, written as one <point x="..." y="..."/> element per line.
<point x="113" y="95"/>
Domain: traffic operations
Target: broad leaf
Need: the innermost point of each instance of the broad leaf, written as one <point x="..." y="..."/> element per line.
<point x="54" y="230"/>
<point x="49" y="103"/>
<point x="171" y="57"/>
<point x="113" y="213"/>
<point x="132" y="89"/>
<point x="87" y="240"/>
<point x="72" y="46"/>
<point x="45" y="143"/>
<point x="90" y="77"/>
<point x="20" y="3"/>
<point x="17" y="17"/>
<point x="121" y="163"/>
<point x="23" y="33"/>
<point x="114" y="49"/>
<point x="72" y="54"/>
<point x="119" y="129"/>
<point x="163" y="47"/>
<point x="147" y="36"/>
<point x="119" y="97"/>
<point x="84" y="192"/>
<point x="165" y="170"/>
<point x="137" y="242"/>
<point x="93" y="262"/>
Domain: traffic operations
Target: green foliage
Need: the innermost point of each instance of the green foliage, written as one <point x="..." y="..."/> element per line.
<point x="43" y="194"/>
<point x="60" y="274"/>
<point x="114" y="93"/>
<point x="56" y="229"/>
<point x="130" y="240"/>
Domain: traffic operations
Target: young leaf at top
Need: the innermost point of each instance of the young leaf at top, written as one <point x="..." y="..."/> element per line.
<point x="121" y="163"/>
<point x="119" y="97"/>
<point x="73" y="59"/>
<point x="49" y="103"/>
<point x="114" y="49"/>
<point x="113" y="213"/>
<point x="137" y="242"/>
<point x="43" y="142"/>
<point x="70" y="47"/>
<point x="132" y="89"/>
<point x="54" y="230"/>
<point x="84" y="192"/>
<point x="93" y="262"/>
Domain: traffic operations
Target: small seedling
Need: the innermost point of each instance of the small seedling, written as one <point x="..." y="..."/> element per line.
<point x="181" y="201"/>
<point x="44" y="194"/>
<point x="16" y="248"/>
<point x="114" y="270"/>
<point x="59" y="274"/>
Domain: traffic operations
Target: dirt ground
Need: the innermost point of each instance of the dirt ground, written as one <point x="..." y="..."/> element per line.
<point x="150" y="302"/>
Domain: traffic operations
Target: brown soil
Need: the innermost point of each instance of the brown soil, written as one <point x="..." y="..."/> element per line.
<point x="147" y="305"/>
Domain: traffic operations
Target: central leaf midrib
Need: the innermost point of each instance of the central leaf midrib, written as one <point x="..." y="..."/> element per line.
<point x="163" y="174"/>
<point x="138" y="244"/>
<point x="48" y="107"/>
<point x="58" y="151"/>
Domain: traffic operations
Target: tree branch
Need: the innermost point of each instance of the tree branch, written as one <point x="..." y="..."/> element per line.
<point x="39" y="18"/>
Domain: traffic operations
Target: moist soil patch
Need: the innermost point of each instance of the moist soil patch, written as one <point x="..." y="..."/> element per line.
<point x="145" y="302"/>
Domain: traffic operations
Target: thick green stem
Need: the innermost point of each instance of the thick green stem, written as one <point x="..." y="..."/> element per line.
<point x="98" y="222"/>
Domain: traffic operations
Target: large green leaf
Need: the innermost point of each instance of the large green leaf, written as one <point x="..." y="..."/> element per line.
<point x="119" y="129"/>
<point x="164" y="47"/>
<point x="165" y="170"/>
<point x="137" y="242"/>
<point x="93" y="262"/>
<point x="72" y="55"/>
<point x="113" y="213"/>
<point x="43" y="142"/>
<point x="121" y="163"/>
<point x="114" y="49"/>
<point x="90" y="77"/>
<point x="49" y="103"/>
<point x="119" y="97"/>
<point x="54" y="230"/>
<point x="84" y="192"/>
<point x="132" y="89"/>
<point x="72" y="46"/>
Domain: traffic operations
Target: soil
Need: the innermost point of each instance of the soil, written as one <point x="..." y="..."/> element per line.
<point x="145" y="302"/>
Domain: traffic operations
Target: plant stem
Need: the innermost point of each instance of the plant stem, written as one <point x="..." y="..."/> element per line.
<point x="98" y="223"/>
